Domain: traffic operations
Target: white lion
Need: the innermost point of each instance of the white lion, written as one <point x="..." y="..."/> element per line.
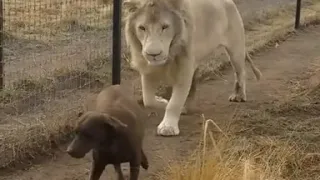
<point x="168" y="38"/>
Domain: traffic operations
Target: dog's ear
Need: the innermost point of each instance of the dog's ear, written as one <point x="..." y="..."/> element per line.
<point x="130" y="5"/>
<point x="114" y="122"/>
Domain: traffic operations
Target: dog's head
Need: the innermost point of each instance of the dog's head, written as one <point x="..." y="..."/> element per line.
<point x="93" y="129"/>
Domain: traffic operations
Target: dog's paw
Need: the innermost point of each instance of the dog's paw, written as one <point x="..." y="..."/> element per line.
<point x="166" y="128"/>
<point x="145" y="165"/>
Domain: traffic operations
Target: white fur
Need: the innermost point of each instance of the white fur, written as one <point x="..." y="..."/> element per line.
<point x="206" y="25"/>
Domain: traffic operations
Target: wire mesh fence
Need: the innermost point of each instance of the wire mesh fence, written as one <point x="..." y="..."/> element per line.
<point x="53" y="52"/>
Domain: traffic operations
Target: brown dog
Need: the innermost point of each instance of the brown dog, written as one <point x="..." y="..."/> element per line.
<point x="113" y="127"/>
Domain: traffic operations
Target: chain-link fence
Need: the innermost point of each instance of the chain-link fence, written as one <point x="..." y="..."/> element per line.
<point x="54" y="50"/>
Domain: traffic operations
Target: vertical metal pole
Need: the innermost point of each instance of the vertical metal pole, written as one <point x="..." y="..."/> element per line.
<point x="298" y="11"/>
<point x="1" y="47"/>
<point x="116" y="43"/>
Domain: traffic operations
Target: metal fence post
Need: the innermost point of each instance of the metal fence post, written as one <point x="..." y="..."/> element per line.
<point x="298" y="11"/>
<point x="116" y="43"/>
<point x="1" y="47"/>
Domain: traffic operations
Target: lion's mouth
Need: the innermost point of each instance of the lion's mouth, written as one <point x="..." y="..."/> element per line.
<point x="157" y="62"/>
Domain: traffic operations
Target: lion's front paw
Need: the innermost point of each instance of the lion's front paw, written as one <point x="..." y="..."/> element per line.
<point x="237" y="98"/>
<point x="166" y="128"/>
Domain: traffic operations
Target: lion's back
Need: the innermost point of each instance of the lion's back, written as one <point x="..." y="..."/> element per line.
<point x="211" y="20"/>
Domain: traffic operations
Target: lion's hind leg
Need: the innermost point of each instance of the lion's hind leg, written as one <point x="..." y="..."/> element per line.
<point x="237" y="58"/>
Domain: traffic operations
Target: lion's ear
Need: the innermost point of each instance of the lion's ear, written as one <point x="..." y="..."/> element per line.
<point x="177" y="4"/>
<point x="130" y="6"/>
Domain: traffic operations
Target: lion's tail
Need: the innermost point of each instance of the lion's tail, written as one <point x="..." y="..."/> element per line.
<point x="255" y="70"/>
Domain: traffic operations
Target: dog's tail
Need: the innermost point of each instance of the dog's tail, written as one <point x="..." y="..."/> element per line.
<point x="255" y="70"/>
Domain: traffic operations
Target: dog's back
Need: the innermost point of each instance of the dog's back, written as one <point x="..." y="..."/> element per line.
<point x="116" y="101"/>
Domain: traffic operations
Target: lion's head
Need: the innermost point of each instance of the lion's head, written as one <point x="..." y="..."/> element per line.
<point x="156" y="28"/>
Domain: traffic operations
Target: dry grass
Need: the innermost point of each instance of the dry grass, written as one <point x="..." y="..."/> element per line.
<point x="272" y="29"/>
<point x="25" y="94"/>
<point x="48" y="20"/>
<point x="234" y="157"/>
<point x="23" y="141"/>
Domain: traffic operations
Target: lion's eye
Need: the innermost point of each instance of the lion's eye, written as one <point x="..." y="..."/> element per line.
<point x="142" y="28"/>
<point x="165" y="27"/>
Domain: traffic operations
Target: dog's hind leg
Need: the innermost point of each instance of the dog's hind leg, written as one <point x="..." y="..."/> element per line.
<point x="117" y="168"/>
<point x="135" y="166"/>
<point x="144" y="160"/>
<point x="96" y="169"/>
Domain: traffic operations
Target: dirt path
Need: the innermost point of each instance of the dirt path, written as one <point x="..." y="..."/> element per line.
<point x="278" y="66"/>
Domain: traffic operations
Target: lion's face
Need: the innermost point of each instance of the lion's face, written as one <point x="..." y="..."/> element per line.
<point x="155" y="28"/>
<point x="155" y="36"/>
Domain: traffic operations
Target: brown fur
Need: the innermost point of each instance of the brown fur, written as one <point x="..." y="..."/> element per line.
<point x="112" y="125"/>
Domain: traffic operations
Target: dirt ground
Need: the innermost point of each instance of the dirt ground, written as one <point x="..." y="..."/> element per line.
<point x="280" y="66"/>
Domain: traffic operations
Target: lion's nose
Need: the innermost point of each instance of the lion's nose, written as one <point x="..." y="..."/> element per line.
<point x="154" y="54"/>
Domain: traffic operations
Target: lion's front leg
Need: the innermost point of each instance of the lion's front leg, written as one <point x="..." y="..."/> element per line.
<point x="170" y="123"/>
<point x="149" y="88"/>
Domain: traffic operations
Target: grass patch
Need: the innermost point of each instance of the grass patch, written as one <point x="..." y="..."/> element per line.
<point x="21" y="144"/>
<point x="26" y="94"/>
<point x="271" y="31"/>
<point x="49" y="20"/>
<point x="232" y="157"/>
